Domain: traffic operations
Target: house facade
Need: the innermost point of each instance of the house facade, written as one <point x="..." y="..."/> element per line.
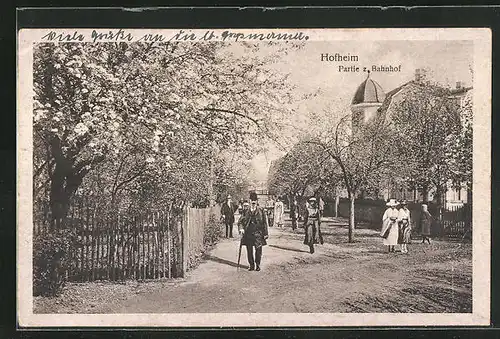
<point x="370" y="100"/>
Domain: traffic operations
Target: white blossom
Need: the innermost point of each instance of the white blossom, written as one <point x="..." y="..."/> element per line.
<point x="81" y="128"/>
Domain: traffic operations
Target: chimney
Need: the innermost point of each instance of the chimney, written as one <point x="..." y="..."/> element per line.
<point x="420" y="74"/>
<point x="460" y="84"/>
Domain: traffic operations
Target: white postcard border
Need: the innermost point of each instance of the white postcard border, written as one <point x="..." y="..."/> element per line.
<point x="481" y="196"/>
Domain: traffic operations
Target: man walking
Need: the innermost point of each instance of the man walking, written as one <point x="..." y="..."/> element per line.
<point x="253" y="226"/>
<point x="227" y="211"/>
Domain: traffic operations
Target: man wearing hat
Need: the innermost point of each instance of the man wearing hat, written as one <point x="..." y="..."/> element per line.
<point x="390" y="229"/>
<point x="227" y="210"/>
<point x="253" y="226"/>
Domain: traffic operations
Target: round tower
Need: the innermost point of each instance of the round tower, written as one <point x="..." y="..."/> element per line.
<point x="366" y="101"/>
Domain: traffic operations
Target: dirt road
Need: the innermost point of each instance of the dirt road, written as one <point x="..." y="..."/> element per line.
<point x="339" y="277"/>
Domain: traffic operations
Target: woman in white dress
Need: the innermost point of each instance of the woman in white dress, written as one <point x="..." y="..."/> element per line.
<point x="390" y="229"/>
<point x="279" y="210"/>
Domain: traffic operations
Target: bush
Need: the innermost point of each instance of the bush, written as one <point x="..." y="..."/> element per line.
<point x="213" y="231"/>
<point x="50" y="261"/>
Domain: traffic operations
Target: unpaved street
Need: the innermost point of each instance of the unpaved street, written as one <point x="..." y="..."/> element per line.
<point x="339" y="277"/>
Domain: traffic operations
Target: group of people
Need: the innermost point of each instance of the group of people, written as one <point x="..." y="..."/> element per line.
<point x="253" y="224"/>
<point x="396" y="225"/>
<point x="276" y="212"/>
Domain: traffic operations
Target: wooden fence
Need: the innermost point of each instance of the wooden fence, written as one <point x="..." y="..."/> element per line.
<point x="196" y="222"/>
<point x="457" y="221"/>
<point x="150" y="245"/>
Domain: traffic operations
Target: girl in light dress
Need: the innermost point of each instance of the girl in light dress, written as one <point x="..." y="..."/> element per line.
<point x="404" y="226"/>
<point x="279" y="211"/>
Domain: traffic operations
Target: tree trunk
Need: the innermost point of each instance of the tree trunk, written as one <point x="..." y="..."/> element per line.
<point x="425" y="193"/>
<point x="59" y="200"/>
<point x="469" y="194"/>
<point x="351" y="218"/>
<point x="439" y="200"/>
<point x="336" y="206"/>
<point x="65" y="181"/>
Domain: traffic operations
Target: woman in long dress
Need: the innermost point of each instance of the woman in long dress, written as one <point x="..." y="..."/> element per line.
<point x="311" y="225"/>
<point x="404" y="221"/>
<point x="390" y="229"/>
<point x="279" y="211"/>
<point x="426" y="223"/>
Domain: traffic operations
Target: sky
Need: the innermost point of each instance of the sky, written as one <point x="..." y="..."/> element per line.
<point x="447" y="61"/>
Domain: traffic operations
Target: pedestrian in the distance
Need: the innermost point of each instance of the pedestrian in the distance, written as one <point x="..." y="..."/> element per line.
<point x="294" y="212"/>
<point x="270" y="210"/>
<point x="404" y="221"/>
<point x="279" y="211"/>
<point x="425" y="224"/>
<point x="227" y="211"/>
<point x="253" y="227"/>
<point x="390" y="230"/>
<point x="245" y="207"/>
<point x="321" y="207"/>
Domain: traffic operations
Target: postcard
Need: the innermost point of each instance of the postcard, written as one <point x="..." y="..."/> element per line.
<point x="253" y="177"/>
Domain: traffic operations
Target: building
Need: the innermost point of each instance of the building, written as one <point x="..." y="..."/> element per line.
<point x="370" y="100"/>
<point x="366" y="102"/>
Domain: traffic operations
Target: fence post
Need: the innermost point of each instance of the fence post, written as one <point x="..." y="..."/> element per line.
<point x="169" y="241"/>
<point x="185" y="240"/>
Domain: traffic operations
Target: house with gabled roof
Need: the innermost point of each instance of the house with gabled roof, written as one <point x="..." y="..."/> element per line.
<point x="370" y="101"/>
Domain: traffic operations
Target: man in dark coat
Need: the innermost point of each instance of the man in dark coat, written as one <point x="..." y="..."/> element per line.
<point x="227" y="210"/>
<point x="253" y="226"/>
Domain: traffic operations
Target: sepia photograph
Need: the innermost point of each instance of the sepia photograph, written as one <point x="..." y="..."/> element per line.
<point x="254" y="177"/>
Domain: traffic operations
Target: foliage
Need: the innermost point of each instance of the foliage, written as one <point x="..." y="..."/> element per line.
<point x="426" y="123"/>
<point x="50" y="261"/>
<point x="461" y="148"/>
<point x="364" y="156"/>
<point x="213" y="231"/>
<point x="302" y="171"/>
<point x="142" y="123"/>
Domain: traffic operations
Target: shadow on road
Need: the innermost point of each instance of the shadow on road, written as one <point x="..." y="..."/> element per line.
<point x="223" y="261"/>
<point x="288" y="248"/>
<point x="381" y="251"/>
<point x="364" y="235"/>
